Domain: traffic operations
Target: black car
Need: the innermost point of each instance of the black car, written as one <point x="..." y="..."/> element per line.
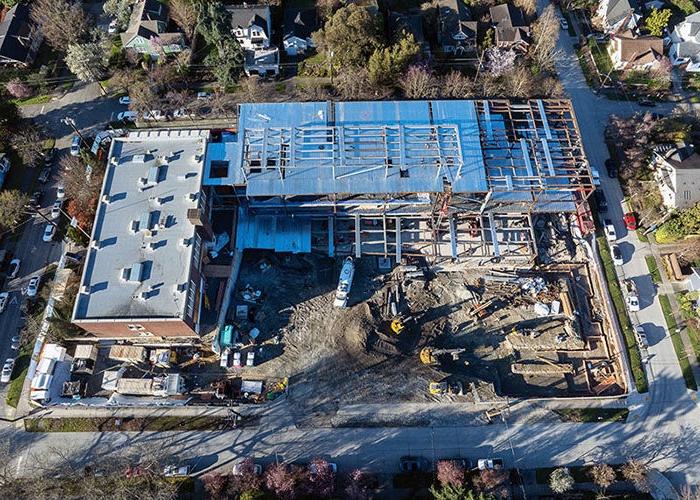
<point x="601" y="201"/>
<point x="34" y="200"/>
<point x="611" y="168"/>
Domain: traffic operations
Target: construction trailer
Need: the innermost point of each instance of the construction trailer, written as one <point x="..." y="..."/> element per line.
<point x="442" y="179"/>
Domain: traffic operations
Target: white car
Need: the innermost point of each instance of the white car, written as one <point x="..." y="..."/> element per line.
<point x="56" y="210"/>
<point x="7" y="370"/>
<point x="127" y="116"/>
<point x="60" y="192"/>
<point x="182" y="113"/>
<point x="4" y="298"/>
<point x="563" y="23"/>
<point x="13" y="271"/>
<point x="33" y="286"/>
<point x="112" y="28"/>
<point x="49" y="232"/>
<point x="15" y="343"/>
<point x="203" y="95"/>
<point x="632" y="303"/>
<point x="177" y="471"/>
<point x="238" y="469"/>
<point x="125" y="100"/>
<point x="489" y="463"/>
<point x="610" y="233"/>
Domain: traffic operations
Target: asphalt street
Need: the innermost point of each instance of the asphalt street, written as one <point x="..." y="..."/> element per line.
<point x="663" y="426"/>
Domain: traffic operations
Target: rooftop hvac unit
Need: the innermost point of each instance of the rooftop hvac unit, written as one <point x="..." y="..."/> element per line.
<point x="181" y="287"/>
<point x="192" y="196"/>
<point x="160" y="200"/>
<point x="134" y="226"/>
<point x="105" y="199"/>
<point x="185" y="242"/>
<point x="143" y="181"/>
<point x="148" y="233"/>
<point x="152" y="245"/>
<point x="140" y="158"/>
<point x="95" y="245"/>
<point x="143" y="295"/>
<point x="85" y="289"/>
<point x="198" y="158"/>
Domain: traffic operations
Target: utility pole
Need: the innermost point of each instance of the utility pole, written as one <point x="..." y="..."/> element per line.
<point x="71" y="123"/>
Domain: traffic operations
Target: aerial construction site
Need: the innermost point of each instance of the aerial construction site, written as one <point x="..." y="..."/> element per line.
<point x="414" y="251"/>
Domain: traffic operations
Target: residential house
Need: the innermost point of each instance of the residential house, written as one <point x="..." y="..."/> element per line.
<point x="252" y="27"/>
<point x="456" y="31"/>
<point x="509" y="26"/>
<point x="618" y="15"/>
<point x="677" y="172"/>
<point x="299" y="24"/>
<point x="143" y="275"/>
<point x="637" y="53"/>
<point x="400" y="23"/>
<point x="148" y="30"/>
<point x="685" y="43"/>
<point x="19" y="39"/>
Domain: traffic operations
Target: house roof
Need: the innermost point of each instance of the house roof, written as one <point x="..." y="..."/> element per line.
<point x="300" y="22"/>
<point x="454" y="17"/>
<point x="149" y="18"/>
<point x="507" y="16"/>
<point x="15" y="26"/>
<point x="408" y="23"/>
<point x="153" y="178"/>
<point x="617" y="10"/>
<point x="639" y="50"/>
<point x="246" y="16"/>
<point x="683" y="156"/>
<point x="262" y="56"/>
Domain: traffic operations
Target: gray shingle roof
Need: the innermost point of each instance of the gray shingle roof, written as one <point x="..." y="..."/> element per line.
<point x="14" y="32"/>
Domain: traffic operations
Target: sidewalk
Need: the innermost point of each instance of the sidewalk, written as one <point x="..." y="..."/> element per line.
<point x="666" y="288"/>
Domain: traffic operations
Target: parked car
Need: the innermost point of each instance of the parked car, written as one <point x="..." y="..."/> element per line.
<point x="617" y="255"/>
<point x="7" y="370"/>
<point x="33" y="286"/>
<point x="632" y="303"/>
<point x="4" y="298"/>
<point x="414" y="464"/>
<point x="34" y="199"/>
<point x="204" y="95"/>
<point x="601" y="201"/>
<point x="13" y="270"/>
<point x="177" y="470"/>
<point x="238" y="469"/>
<point x="15" y="343"/>
<point x="125" y="100"/>
<point x="112" y="28"/>
<point x="75" y="146"/>
<point x="49" y="156"/>
<point x="60" y="192"/>
<point x="181" y="113"/>
<point x="45" y="175"/>
<point x="56" y="209"/>
<point x="630" y="221"/>
<point x="611" y="168"/>
<point x="49" y="233"/>
<point x="641" y="337"/>
<point x="610" y="233"/>
<point x="127" y="116"/>
<point x="564" y="24"/>
<point x="489" y="463"/>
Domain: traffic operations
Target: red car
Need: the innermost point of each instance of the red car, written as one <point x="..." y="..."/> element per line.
<point x="630" y="221"/>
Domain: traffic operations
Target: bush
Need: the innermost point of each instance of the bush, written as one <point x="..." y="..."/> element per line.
<point x="18" y="89"/>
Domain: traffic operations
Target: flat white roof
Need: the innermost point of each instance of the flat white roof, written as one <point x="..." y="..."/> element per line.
<point x="139" y="259"/>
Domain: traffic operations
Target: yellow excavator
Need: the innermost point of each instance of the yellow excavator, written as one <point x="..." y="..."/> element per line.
<point x="441" y="388"/>
<point x="429" y="356"/>
<point x="397" y="326"/>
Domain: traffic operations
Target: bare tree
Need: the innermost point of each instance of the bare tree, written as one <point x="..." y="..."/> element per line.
<point x="492" y="481"/>
<point x="527" y="6"/>
<point x="353" y="84"/>
<point x="280" y="480"/>
<point x="61" y="22"/>
<point x="418" y="83"/>
<point x="246" y="479"/>
<point x="18" y="89"/>
<point x="518" y="82"/>
<point x="545" y="33"/>
<point x="184" y="14"/>
<point x="689" y="493"/>
<point x="144" y="98"/>
<point x="223" y="104"/>
<point x="28" y="141"/>
<point x="560" y="480"/>
<point x="602" y="476"/>
<point x="215" y="485"/>
<point x="499" y="61"/>
<point x="312" y="93"/>
<point x="253" y="89"/>
<point x="322" y="479"/>
<point x="450" y="473"/>
<point x="635" y="471"/>
<point x="358" y="485"/>
<point x="457" y="86"/>
<point x="82" y="188"/>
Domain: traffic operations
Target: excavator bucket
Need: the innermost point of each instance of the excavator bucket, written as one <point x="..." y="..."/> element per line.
<point x="397" y="326"/>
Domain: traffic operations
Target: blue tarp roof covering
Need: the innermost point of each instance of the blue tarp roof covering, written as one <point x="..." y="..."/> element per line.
<point x="353" y="147"/>
<point x="268" y="232"/>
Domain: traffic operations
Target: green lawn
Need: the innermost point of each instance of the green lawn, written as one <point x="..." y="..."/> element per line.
<point x="640" y="378"/>
<point x="585" y="68"/>
<point x="37" y="99"/>
<point x="601" y="57"/>
<point x="694" y="335"/>
<point x="642" y="237"/>
<point x="653" y="269"/>
<point x="678" y="346"/>
<point x="593" y="414"/>
<point x="86" y="424"/>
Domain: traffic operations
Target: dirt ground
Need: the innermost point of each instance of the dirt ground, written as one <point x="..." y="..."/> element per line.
<point x="350" y="356"/>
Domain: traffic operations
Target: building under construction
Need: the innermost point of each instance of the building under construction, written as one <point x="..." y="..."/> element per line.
<point x="442" y="179"/>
